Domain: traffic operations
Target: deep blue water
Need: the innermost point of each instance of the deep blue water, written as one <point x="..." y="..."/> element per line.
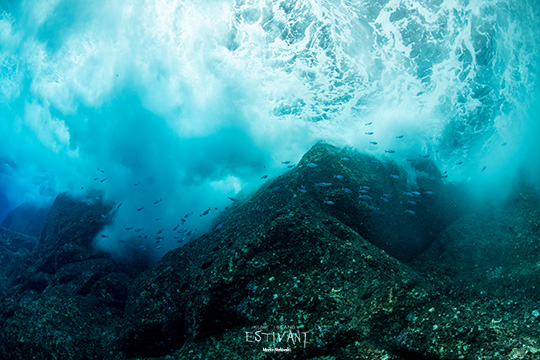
<point x="186" y="103"/>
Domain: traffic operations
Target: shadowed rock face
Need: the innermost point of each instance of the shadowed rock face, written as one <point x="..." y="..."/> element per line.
<point x="26" y="219"/>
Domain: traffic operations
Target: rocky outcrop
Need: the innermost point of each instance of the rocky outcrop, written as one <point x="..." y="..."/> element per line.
<point x="64" y="298"/>
<point x="26" y="219"/>
<point x="305" y="268"/>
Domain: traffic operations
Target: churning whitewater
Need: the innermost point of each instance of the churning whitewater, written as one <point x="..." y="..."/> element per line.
<point x="172" y="110"/>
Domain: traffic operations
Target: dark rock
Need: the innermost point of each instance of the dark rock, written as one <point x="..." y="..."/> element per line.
<point x="284" y="258"/>
<point x="27" y="219"/>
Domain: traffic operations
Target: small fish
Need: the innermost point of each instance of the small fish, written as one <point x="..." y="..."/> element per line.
<point x="417" y="193"/>
<point x="159" y="231"/>
<point x="103" y="180"/>
<point x="157" y="219"/>
<point x="369" y="133"/>
<point x="275" y="188"/>
<point x="103" y="216"/>
<point x="373" y="142"/>
<point x="428" y="192"/>
<point x="410" y="212"/>
<point x="101" y="171"/>
<point x="128" y="228"/>
<point x="302" y="189"/>
<point x="385" y="199"/>
<point x="264" y="176"/>
<point x="504" y="143"/>
<point x="366" y="197"/>
<point x="459" y="163"/>
<point x="424" y="156"/>
<point x="139" y="230"/>
<point x="363" y="191"/>
<point x="368" y="123"/>
<point x="188" y="215"/>
<point x="338" y="176"/>
<point x="191" y="232"/>
<point x="176" y="227"/>
<point x="328" y="202"/>
<point x="104" y="236"/>
<point x="137" y="183"/>
<point x="345" y="159"/>
<point x="394" y="176"/>
<point x="399" y="137"/>
<point x="159" y="247"/>
<point x="140" y="209"/>
<point x="286" y="162"/>
<point x="347" y="190"/>
<point x="219" y="226"/>
<point x="291" y="166"/>
<point x="96" y="179"/>
<point x="118" y="206"/>
<point x="408" y="193"/>
<point x="366" y="187"/>
<point x="158" y="201"/>
<point x="484" y="168"/>
<point x="205" y="212"/>
<point x="390" y="151"/>
<point x="231" y="198"/>
<point x="412" y="202"/>
<point x="312" y="165"/>
<point x="159" y="238"/>
<point x="323" y="184"/>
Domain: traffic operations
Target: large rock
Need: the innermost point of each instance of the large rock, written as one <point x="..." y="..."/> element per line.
<point x="296" y="254"/>
<point x="64" y="298"/>
<point x="27" y="219"/>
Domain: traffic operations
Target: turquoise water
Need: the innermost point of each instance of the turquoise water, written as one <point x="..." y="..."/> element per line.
<point x="186" y="103"/>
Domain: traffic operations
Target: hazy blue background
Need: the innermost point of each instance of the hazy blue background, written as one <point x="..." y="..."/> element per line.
<point x="195" y="101"/>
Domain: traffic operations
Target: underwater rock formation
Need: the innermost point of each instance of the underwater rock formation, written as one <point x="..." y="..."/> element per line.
<point x="301" y="270"/>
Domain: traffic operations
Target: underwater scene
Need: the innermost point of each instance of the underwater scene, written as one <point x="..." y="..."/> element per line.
<point x="264" y="179"/>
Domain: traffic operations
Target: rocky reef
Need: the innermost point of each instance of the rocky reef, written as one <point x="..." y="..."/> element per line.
<point x="344" y="256"/>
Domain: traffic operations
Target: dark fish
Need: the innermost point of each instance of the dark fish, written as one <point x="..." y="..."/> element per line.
<point x="176" y="227"/>
<point x="459" y="163"/>
<point x="140" y="209"/>
<point x="129" y="228"/>
<point x="286" y="162"/>
<point x="219" y="226"/>
<point x="424" y="156"/>
<point x="369" y="133"/>
<point x="118" y="206"/>
<point x="231" y="198"/>
<point x="205" y="212"/>
<point x="389" y="151"/>
<point x="291" y="166"/>
<point x="399" y="137"/>
<point x="484" y="168"/>
<point x="158" y="201"/>
<point x="103" y="180"/>
<point x="188" y="215"/>
<point x="104" y="236"/>
<point x="369" y="123"/>
<point x="264" y="176"/>
<point x="373" y="142"/>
